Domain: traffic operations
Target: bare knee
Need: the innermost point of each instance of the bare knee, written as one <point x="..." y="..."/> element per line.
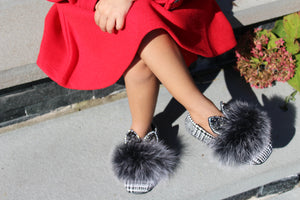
<point x="138" y="73"/>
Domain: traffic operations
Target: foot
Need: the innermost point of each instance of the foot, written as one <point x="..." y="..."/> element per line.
<point x="142" y="163"/>
<point x="241" y="136"/>
<point x="141" y="132"/>
<point x="203" y="121"/>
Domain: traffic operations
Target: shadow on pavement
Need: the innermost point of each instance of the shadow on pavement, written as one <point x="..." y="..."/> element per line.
<point x="165" y="119"/>
<point x="283" y="122"/>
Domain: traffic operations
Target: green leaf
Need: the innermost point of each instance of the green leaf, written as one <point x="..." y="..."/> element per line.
<point x="288" y="99"/>
<point x="272" y="37"/>
<point x="255" y="60"/>
<point x="295" y="81"/>
<point x="279" y="29"/>
<point x="291" y="24"/>
<point x="272" y="43"/>
<point x="292" y="46"/>
<point x="268" y="33"/>
<point x="288" y="28"/>
<point x="291" y="97"/>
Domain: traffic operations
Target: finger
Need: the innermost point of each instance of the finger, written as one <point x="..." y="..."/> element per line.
<point x="97" y="18"/>
<point x="97" y="14"/>
<point x="97" y="5"/>
<point x="102" y="23"/>
<point x="120" y="21"/>
<point x="110" y="25"/>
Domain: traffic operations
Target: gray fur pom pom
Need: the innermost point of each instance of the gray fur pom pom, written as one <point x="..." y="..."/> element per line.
<point x="244" y="133"/>
<point x="143" y="161"/>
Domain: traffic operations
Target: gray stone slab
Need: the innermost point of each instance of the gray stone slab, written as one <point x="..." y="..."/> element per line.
<point x="249" y="12"/>
<point x="69" y="157"/>
<point x="291" y="195"/>
<point x="21" y="29"/>
<point x="20" y="75"/>
<point x="22" y="24"/>
<point x="278" y="187"/>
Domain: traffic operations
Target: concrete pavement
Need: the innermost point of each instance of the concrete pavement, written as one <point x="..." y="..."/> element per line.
<point x="68" y="157"/>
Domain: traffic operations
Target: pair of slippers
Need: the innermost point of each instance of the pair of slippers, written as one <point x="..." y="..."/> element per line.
<point x="244" y="137"/>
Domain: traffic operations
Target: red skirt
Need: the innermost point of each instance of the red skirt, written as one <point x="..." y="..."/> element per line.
<point x="76" y="54"/>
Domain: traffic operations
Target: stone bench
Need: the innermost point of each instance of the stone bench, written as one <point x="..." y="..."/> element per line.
<point x="21" y="28"/>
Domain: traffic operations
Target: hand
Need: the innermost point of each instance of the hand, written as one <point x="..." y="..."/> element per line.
<point x="110" y="14"/>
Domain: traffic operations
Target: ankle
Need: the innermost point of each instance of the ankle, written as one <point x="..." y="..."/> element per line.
<point x="141" y="132"/>
<point x="202" y="120"/>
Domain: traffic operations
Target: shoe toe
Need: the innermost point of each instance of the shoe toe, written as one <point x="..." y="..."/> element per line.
<point x="263" y="156"/>
<point x="138" y="187"/>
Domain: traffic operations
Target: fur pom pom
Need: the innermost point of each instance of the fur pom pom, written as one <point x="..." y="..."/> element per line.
<point x="144" y="161"/>
<point x="245" y="133"/>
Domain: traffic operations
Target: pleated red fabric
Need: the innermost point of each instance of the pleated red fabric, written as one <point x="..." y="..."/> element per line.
<point x="76" y="54"/>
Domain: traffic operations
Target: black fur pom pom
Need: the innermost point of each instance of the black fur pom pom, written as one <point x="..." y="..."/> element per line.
<point x="245" y="133"/>
<point x="143" y="161"/>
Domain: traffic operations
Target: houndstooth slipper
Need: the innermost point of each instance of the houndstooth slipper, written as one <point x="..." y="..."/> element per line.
<point x="244" y="134"/>
<point x="142" y="163"/>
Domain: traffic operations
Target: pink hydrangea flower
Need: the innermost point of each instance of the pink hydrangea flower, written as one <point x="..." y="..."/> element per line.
<point x="265" y="65"/>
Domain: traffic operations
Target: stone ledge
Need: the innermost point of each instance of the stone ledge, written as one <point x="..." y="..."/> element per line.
<point x="23" y="103"/>
<point x="276" y="187"/>
<point x="20" y="75"/>
<point x="20" y="35"/>
<point x="249" y="12"/>
<point x="21" y="38"/>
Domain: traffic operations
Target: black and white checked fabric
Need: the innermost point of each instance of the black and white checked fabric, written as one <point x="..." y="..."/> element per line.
<point x="138" y="187"/>
<point x="202" y="135"/>
<point x="263" y="156"/>
<point x="197" y="131"/>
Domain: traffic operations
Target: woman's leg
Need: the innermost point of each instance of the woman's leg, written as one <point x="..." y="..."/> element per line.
<point x="142" y="89"/>
<point x="161" y="54"/>
<point x="141" y="164"/>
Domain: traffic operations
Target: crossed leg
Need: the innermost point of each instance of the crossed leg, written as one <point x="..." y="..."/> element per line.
<point x="159" y="58"/>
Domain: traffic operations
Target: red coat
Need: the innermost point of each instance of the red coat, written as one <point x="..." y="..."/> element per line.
<point x="78" y="55"/>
